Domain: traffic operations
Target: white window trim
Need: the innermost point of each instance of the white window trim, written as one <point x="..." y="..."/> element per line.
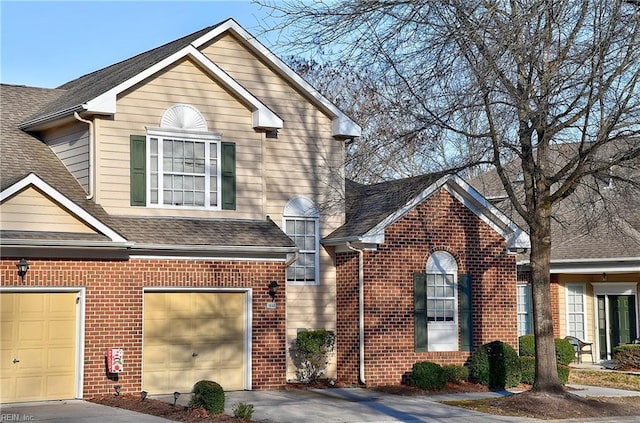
<point x="207" y="138"/>
<point x="301" y="208"/>
<point x="584" y="309"/>
<point x="443" y="263"/>
<point x="528" y="311"/>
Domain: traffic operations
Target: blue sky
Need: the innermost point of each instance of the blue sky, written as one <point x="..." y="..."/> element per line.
<point x="45" y="44"/>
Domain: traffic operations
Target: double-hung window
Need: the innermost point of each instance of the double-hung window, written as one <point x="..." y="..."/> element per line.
<point x="182" y="164"/>
<point x="184" y="170"/>
<point x="576" y="310"/>
<point x="301" y="223"/>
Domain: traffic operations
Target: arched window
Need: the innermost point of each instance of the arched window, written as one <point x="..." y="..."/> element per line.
<point x="441" y="299"/>
<point x="184" y="165"/>
<point x="301" y="221"/>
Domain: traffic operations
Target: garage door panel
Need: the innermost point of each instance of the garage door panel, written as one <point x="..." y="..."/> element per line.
<point x="231" y="379"/>
<point x="202" y="324"/>
<point x="39" y="332"/>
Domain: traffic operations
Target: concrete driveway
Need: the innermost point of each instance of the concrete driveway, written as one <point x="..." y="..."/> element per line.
<point x="351" y="405"/>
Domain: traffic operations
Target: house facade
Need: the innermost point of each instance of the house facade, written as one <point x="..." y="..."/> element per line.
<point x="595" y="262"/>
<point x="181" y="215"/>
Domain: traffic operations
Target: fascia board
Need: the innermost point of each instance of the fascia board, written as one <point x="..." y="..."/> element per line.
<point x="470" y="198"/>
<point x="262" y="116"/>
<point x="57" y="196"/>
<point x="389" y="220"/>
<point x="342" y="125"/>
<point x="516" y="237"/>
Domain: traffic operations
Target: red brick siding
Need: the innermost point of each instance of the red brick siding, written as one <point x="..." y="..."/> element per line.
<point x="113" y="309"/>
<point x="439" y="223"/>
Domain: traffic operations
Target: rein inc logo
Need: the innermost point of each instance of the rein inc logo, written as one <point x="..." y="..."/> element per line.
<point x="15" y="417"/>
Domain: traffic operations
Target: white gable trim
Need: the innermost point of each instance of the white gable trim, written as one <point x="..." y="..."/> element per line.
<point x="342" y="125"/>
<point x="33" y="180"/>
<point x="516" y="237"/>
<point x="263" y="117"/>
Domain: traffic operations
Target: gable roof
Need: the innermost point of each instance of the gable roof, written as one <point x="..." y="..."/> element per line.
<point x="585" y="239"/>
<point x="96" y="92"/>
<point x="370" y="209"/>
<point x="27" y="161"/>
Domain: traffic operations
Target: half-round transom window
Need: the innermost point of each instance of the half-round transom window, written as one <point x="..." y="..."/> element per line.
<point x="183" y="116"/>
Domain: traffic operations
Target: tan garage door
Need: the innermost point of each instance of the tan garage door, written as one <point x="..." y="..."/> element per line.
<point x="38" y="337"/>
<point x="190" y="336"/>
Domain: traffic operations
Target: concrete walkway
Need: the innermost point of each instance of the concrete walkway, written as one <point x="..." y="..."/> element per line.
<point x="352" y="405"/>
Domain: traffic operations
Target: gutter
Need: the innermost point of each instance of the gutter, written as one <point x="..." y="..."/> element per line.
<point x="51" y="117"/>
<point x="92" y="180"/>
<point x="217" y="248"/>
<point x="360" y="309"/>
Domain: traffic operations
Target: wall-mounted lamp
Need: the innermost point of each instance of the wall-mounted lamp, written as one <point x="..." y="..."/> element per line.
<point x="22" y="266"/>
<point x="604" y="277"/>
<point x="273" y="289"/>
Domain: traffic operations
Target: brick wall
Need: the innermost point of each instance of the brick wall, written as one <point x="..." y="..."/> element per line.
<point x="439" y="223"/>
<point x="113" y="308"/>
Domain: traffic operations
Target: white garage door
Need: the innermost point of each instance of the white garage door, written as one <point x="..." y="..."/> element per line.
<point x="38" y="343"/>
<point x="191" y="336"/>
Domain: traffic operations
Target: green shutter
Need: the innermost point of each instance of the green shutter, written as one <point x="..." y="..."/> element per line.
<point x="138" y="162"/>
<point x="420" y="311"/>
<point x="228" y="176"/>
<point x="466" y="323"/>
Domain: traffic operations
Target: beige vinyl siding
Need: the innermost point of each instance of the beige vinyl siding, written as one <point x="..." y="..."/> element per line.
<point x="305" y="160"/>
<point x="31" y="210"/>
<point x="71" y="145"/>
<point x="144" y="105"/>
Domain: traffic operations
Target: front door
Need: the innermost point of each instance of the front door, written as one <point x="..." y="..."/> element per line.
<point x="616" y="322"/>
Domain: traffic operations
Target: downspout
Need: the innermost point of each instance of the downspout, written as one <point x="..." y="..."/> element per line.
<point x="91" y="184"/>
<point x="360" y="308"/>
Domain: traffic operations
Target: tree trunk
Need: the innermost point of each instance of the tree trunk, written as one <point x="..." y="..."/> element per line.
<point x="546" y="364"/>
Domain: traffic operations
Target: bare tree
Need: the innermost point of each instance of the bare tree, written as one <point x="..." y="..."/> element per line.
<point x="518" y="79"/>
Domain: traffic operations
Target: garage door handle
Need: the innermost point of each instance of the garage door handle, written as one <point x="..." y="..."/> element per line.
<point x="194" y="354"/>
<point x="15" y="360"/>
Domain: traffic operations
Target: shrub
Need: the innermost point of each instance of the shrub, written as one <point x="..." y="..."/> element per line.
<point x="626" y="357"/>
<point x="565" y="352"/>
<point x="527" y="346"/>
<point x="495" y="365"/>
<point x="563" y="373"/>
<point x="310" y="353"/>
<point x="243" y="411"/>
<point x="427" y="375"/>
<point x="455" y="373"/>
<point x="208" y="394"/>
<point x="528" y="371"/>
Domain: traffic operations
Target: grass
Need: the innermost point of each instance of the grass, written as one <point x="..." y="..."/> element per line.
<point x="617" y="380"/>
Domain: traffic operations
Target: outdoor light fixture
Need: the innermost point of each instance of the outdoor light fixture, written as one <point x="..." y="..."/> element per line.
<point x="604" y="277"/>
<point x="22" y="266"/>
<point x="176" y="395"/>
<point x="117" y="389"/>
<point x="143" y="395"/>
<point x="273" y="289"/>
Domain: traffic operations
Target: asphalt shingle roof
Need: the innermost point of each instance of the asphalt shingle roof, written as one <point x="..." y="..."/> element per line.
<point x="80" y="90"/>
<point x="368" y="205"/>
<point x="22" y="154"/>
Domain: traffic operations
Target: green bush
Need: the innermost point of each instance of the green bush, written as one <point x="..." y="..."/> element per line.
<point x="527" y="346"/>
<point x="208" y="394"/>
<point x="310" y="353"/>
<point x="563" y="373"/>
<point x="495" y="365"/>
<point x="565" y="353"/>
<point x="528" y="371"/>
<point x="427" y="375"/>
<point x="455" y="373"/>
<point x="626" y="357"/>
<point x="243" y="411"/>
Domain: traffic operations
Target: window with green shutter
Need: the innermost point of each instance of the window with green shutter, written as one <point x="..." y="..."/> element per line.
<point x="182" y="170"/>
